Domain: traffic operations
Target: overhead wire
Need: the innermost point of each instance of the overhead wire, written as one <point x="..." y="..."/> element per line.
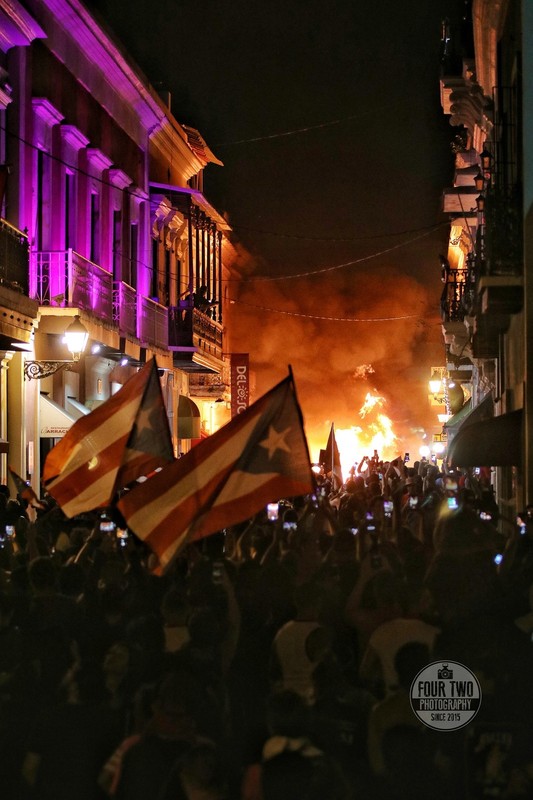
<point x="247" y="279"/>
<point x="301" y="237"/>
<point x="308" y="128"/>
<point x="324" y="317"/>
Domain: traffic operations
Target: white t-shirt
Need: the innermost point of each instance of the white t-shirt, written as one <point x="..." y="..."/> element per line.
<point x="389" y="637"/>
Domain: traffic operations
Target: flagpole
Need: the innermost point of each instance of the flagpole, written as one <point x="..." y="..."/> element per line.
<point x="332" y="456"/>
<point x="300" y="415"/>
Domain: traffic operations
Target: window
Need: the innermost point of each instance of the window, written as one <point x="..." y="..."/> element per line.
<point x="70" y="215"/>
<point x="134" y="256"/>
<point x="39" y="199"/>
<point x="117" y="245"/>
<point x="155" y="267"/>
<point x="165" y="294"/>
<point x="95" y="228"/>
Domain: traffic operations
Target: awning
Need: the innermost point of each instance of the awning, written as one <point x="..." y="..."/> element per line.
<point x="457" y="419"/>
<point x="467" y="415"/>
<point x="54" y="421"/>
<point x="77" y="409"/>
<point x="495" y="442"/>
<point x="189" y="418"/>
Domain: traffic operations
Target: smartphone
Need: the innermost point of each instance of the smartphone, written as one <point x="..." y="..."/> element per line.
<point x="107" y="525"/>
<point x="354" y="531"/>
<point x="498" y="558"/>
<point x="433" y="458"/>
<point x="452" y="503"/>
<point x="122" y="536"/>
<point x="10" y="530"/>
<point x="484" y="516"/>
<point x="406" y="458"/>
<point x="371" y="528"/>
<point x="523" y="529"/>
<point x="413" y="502"/>
<point x="477" y="471"/>
<point x="388" y="506"/>
<point x="290" y="526"/>
<point x="273" y="511"/>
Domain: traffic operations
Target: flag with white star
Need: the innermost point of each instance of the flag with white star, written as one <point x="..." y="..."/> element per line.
<point x="259" y="457"/>
<point x="126" y="437"/>
<point x="331" y="460"/>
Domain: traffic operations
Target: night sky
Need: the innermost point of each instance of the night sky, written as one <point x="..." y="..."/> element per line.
<point x="327" y="117"/>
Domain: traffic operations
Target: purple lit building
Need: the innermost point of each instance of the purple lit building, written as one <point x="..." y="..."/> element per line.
<point x="102" y="217"/>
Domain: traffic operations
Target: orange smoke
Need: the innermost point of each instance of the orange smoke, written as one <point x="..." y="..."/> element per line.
<point x="381" y="361"/>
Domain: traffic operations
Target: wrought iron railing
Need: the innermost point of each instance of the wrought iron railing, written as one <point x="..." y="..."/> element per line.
<point x="125" y="309"/>
<point x="14" y="258"/>
<point x="190" y="327"/>
<point x="65" y="278"/>
<point x="453" y="293"/>
<point x="503" y="252"/>
<point x="153" y="323"/>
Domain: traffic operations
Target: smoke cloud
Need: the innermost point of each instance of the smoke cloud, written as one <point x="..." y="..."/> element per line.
<point x="304" y="322"/>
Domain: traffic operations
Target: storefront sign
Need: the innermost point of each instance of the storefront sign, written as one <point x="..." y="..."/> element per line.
<point x="240" y="382"/>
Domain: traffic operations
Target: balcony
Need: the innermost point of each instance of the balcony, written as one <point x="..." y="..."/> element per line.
<point x="454" y="295"/>
<point x="195" y="339"/>
<point x="14" y="258"/>
<point x="501" y="294"/>
<point x="17" y="311"/>
<point x="153" y="324"/>
<point x="461" y="201"/>
<point x="210" y="386"/>
<point x="67" y="279"/>
<point x="503" y="232"/>
<point x="486" y="335"/>
<point x="125" y="309"/>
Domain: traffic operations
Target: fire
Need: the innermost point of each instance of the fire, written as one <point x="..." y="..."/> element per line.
<point x="356" y="442"/>
<point x="371" y="401"/>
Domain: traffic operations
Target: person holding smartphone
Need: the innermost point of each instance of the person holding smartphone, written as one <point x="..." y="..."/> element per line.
<point x="410" y="506"/>
<point x="412" y="496"/>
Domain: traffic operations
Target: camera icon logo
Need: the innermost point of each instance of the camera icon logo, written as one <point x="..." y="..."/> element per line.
<point x="445" y="673"/>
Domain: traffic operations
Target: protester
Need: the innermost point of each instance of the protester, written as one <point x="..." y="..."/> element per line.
<point x="180" y="685"/>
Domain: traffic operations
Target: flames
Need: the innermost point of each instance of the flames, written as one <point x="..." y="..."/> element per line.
<point x="371" y="401"/>
<point x="377" y="434"/>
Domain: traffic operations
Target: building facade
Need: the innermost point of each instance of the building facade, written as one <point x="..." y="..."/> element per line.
<point x="485" y="302"/>
<point x="103" y="218"/>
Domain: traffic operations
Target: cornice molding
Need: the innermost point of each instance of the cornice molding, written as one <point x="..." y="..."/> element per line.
<point x="488" y="17"/>
<point x="119" y="178"/>
<point x="73" y="137"/>
<point x="98" y="160"/>
<point x="46" y="112"/>
<point x="17" y="26"/>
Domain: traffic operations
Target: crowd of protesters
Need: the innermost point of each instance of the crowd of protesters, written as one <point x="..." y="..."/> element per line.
<point x="274" y="659"/>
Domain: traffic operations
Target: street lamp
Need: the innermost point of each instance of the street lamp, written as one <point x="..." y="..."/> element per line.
<point x="479" y="181"/>
<point x="485" y="158"/>
<point x="435" y="383"/>
<point x="75" y="337"/>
